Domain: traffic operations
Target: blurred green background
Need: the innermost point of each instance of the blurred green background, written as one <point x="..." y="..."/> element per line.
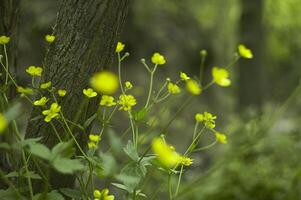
<point x="259" y="112"/>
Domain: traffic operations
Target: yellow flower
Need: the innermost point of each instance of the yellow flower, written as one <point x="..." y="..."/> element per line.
<point x="104" y="82"/>
<point x="220" y="76"/>
<point x="173" y="88"/>
<point x="166" y="155"/>
<point x="92" y="145"/>
<point x="4" y="39"/>
<point x="45" y="85"/>
<point x="186" y="161"/>
<point x="107" y="101"/>
<point x="49" y="38"/>
<point x="3" y="123"/>
<point x="34" y="71"/>
<point x="94" y="138"/>
<point x="103" y="195"/>
<point x="245" y="52"/>
<point x="23" y="90"/>
<point x="184" y="76"/>
<point x="193" y="87"/>
<point x="97" y="194"/>
<point x="128" y="85"/>
<point x="89" y="93"/>
<point x="62" y="93"/>
<point x="126" y="102"/>
<point x="158" y="59"/>
<point x="207" y="118"/>
<point x="119" y="47"/>
<point x="41" y="102"/>
<point x="222" y="138"/>
<point x="52" y="112"/>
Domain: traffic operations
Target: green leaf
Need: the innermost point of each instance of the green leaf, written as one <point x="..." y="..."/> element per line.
<point x="120" y="186"/>
<point x="130" y="176"/>
<point x="90" y="120"/>
<point x="130" y="150"/>
<point x="5" y="146"/>
<point x="75" y="194"/>
<point x="13" y="112"/>
<point x="31" y="174"/>
<point x="67" y="166"/>
<point x="62" y="149"/>
<point x="53" y="195"/>
<point x="9" y="194"/>
<point x="140" y="115"/>
<point x="40" y="150"/>
<point x="30" y="141"/>
<point x="37" y="118"/>
<point x="108" y="165"/>
<point x="115" y="141"/>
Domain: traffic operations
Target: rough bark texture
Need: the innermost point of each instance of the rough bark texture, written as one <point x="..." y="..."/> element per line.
<point x="9" y="23"/>
<point x="251" y="71"/>
<point x="86" y="36"/>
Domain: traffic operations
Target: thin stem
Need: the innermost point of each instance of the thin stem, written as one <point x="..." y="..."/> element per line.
<point x="69" y="130"/>
<point x="73" y="137"/>
<point x="163" y="131"/>
<point x="32" y="82"/>
<point x="75" y="124"/>
<point x="150" y="86"/>
<point x="161" y="89"/>
<point x="135" y="137"/>
<point x="55" y="131"/>
<point x="169" y="186"/>
<point x="195" y="129"/>
<point x="9" y="183"/>
<point x="6" y="63"/>
<point x="205" y="147"/>
<point x="194" y="142"/>
<point x="119" y="73"/>
<point x="146" y="66"/>
<point x="179" y="181"/>
<point x="27" y="175"/>
<point x="162" y="98"/>
<point x="9" y="75"/>
<point x="202" y="68"/>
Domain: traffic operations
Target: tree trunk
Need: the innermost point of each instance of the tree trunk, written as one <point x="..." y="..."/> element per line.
<point x="86" y="35"/>
<point x="9" y="24"/>
<point x="251" y="71"/>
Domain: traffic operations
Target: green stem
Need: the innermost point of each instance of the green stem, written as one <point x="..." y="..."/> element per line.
<point x="202" y="69"/>
<point x="179" y="181"/>
<point x="69" y="130"/>
<point x="9" y="75"/>
<point x="135" y="136"/>
<point x="55" y="131"/>
<point x="119" y="73"/>
<point x="27" y="175"/>
<point x="6" y="63"/>
<point x="9" y="183"/>
<point x="195" y="129"/>
<point x="150" y="86"/>
<point x="205" y="147"/>
<point x="169" y="187"/>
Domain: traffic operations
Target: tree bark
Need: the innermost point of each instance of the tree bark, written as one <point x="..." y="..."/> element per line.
<point x="251" y="71"/>
<point x="9" y="24"/>
<point x="86" y="35"/>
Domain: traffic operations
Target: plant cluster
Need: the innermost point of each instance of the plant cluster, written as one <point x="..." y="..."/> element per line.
<point x="89" y="163"/>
